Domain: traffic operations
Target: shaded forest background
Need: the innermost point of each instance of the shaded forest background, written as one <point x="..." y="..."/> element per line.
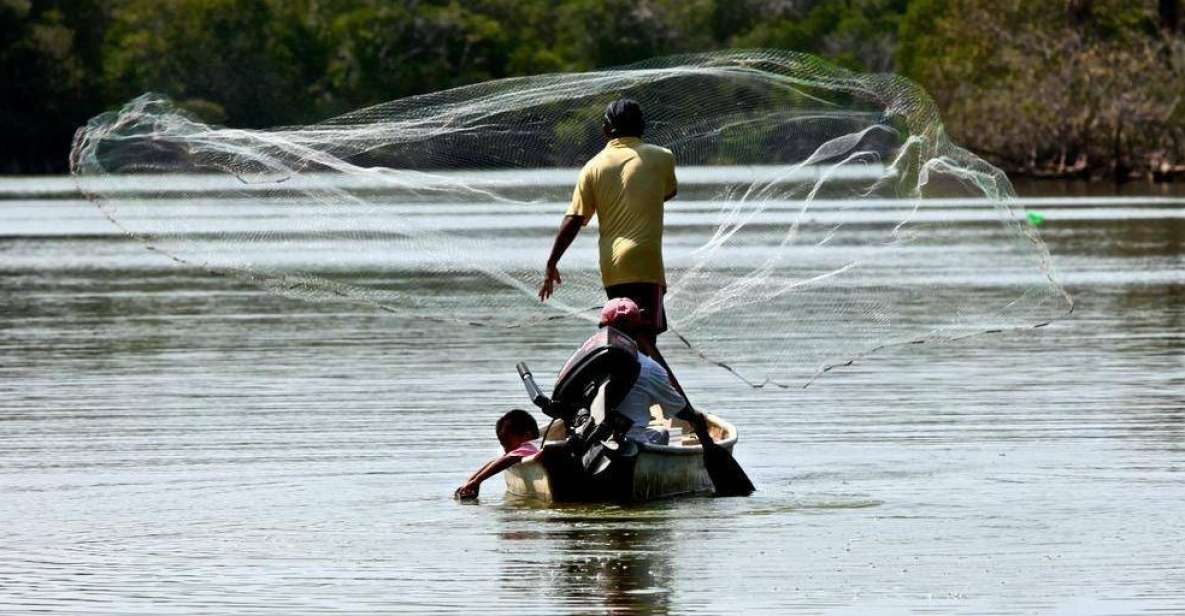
<point x="1060" y="88"/>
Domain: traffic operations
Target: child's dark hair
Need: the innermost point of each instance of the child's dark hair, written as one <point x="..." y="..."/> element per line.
<point x="517" y="421"/>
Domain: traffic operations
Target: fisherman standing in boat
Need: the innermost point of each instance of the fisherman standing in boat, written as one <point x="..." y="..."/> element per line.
<point x="626" y="185"/>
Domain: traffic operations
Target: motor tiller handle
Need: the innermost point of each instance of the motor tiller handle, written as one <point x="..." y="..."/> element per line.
<point x="533" y="392"/>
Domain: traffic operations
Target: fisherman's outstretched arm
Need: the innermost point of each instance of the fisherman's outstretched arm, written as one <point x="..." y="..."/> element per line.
<point x="491" y="468"/>
<point x="569" y="228"/>
<point x="484" y="467"/>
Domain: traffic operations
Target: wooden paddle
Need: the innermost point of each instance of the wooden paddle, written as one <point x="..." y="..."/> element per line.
<point x="728" y="478"/>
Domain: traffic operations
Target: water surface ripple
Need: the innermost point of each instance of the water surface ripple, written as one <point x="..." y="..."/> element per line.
<point x="177" y="443"/>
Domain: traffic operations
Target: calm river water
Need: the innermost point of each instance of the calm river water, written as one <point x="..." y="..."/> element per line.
<point x="173" y="442"/>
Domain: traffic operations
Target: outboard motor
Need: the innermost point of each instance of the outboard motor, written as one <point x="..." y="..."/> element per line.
<point x="594" y="380"/>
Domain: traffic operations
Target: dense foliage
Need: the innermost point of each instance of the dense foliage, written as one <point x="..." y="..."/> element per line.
<point x="1073" y="88"/>
<point x="1059" y="87"/>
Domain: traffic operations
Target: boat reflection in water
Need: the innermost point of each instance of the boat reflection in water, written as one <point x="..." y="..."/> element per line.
<point x="617" y="559"/>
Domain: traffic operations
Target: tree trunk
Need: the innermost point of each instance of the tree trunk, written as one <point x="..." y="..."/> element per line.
<point x="1170" y="15"/>
<point x="1119" y="170"/>
<point x="1078" y="11"/>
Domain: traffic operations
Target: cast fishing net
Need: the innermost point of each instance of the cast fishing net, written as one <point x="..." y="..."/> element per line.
<point x="821" y="213"/>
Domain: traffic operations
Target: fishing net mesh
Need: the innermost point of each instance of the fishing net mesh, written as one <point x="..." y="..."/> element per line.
<point x="821" y="214"/>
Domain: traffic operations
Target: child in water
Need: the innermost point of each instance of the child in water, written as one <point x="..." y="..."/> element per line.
<point x="516" y="429"/>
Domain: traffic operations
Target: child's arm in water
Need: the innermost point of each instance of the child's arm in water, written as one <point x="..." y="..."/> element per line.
<point x="491" y="468"/>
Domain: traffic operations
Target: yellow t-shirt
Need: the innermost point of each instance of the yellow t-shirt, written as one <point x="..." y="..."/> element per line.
<point x="625" y="185"/>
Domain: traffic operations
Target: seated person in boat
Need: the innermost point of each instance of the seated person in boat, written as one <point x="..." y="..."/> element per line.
<point x="654" y="384"/>
<point x="516" y="430"/>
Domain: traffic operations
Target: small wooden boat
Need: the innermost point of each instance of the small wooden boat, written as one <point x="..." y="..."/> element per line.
<point x="658" y="471"/>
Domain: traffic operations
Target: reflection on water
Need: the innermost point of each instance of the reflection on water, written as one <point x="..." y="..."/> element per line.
<point x="176" y="443"/>
<point x="594" y="555"/>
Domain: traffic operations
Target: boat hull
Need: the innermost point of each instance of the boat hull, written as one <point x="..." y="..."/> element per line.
<point x="658" y="471"/>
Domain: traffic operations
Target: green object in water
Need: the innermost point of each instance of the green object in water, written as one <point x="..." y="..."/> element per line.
<point x="1036" y="218"/>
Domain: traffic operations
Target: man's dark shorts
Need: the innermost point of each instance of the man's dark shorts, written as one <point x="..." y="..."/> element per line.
<point x="648" y="296"/>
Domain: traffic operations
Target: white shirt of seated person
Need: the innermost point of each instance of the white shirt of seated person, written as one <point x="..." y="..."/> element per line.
<point x="652" y="387"/>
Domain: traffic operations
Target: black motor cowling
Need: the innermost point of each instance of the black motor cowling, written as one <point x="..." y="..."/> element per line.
<point x="607" y="355"/>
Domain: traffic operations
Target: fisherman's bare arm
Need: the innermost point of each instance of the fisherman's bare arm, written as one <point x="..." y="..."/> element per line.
<point x="672" y="182"/>
<point x="471" y="487"/>
<point x="568" y="230"/>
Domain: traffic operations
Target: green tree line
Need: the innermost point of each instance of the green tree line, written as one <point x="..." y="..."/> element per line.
<point x="1063" y="87"/>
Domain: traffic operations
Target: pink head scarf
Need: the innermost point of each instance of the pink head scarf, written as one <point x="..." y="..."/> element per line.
<point x="621" y="313"/>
